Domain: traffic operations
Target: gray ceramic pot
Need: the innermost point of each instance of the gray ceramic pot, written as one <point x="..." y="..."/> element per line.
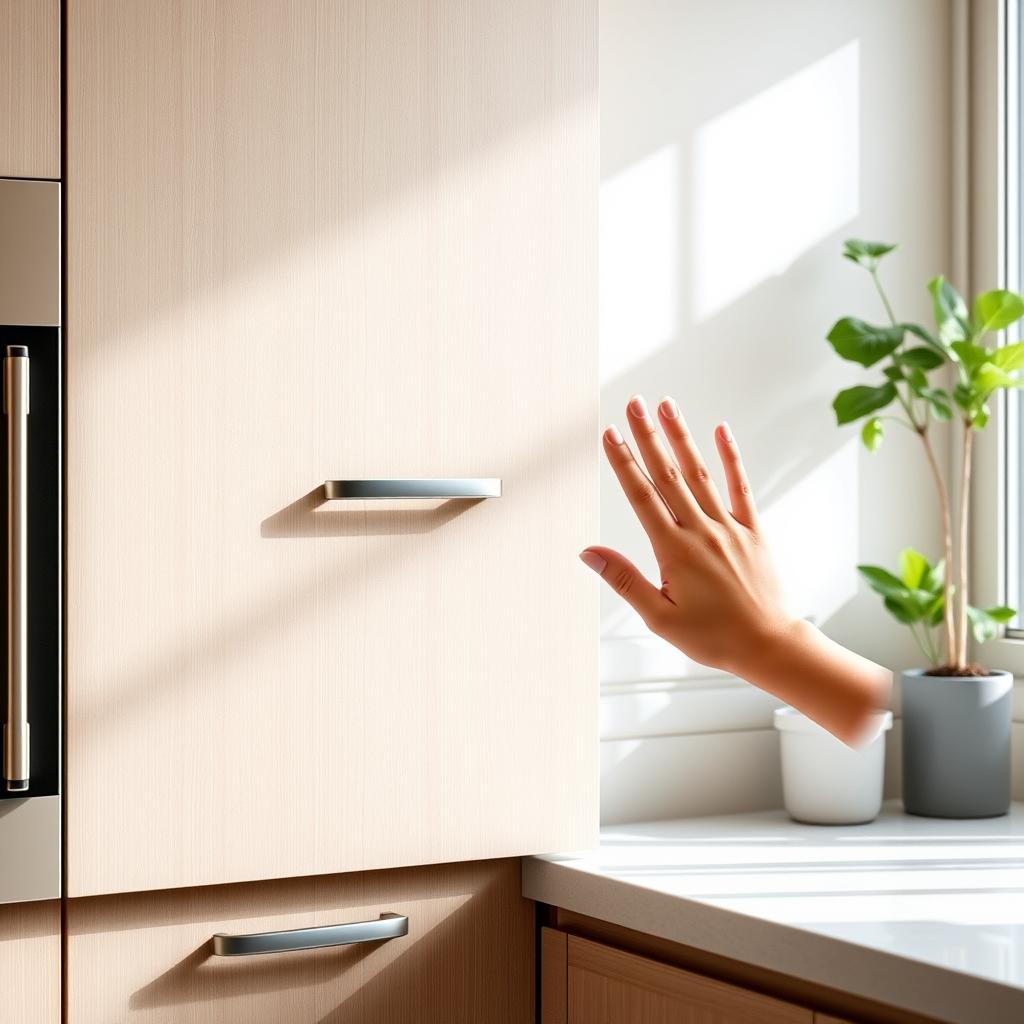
<point x="956" y="744"/>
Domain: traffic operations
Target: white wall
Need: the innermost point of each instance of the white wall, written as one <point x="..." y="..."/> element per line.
<point x="742" y="141"/>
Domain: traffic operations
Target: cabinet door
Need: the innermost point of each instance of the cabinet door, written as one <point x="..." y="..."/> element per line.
<point x="30" y="962"/>
<point x="328" y="240"/>
<point x="29" y="88"/>
<point x="467" y="957"/>
<point x="607" y="986"/>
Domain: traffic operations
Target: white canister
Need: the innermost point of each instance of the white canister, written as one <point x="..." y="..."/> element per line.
<point x="825" y="782"/>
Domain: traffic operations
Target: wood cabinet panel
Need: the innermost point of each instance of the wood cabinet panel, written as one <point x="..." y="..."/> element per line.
<point x="313" y="240"/>
<point x="30" y="88"/>
<point x="608" y="986"/>
<point x="468" y="957"/>
<point x="30" y="961"/>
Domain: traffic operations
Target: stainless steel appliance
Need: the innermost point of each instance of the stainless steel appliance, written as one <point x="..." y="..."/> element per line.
<point x="30" y="346"/>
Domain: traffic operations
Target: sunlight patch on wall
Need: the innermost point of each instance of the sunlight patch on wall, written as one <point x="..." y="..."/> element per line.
<point x="812" y="531"/>
<point x="639" y="253"/>
<point x="772" y="177"/>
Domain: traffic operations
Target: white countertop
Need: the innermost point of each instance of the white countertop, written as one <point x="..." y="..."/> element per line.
<point x="921" y="913"/>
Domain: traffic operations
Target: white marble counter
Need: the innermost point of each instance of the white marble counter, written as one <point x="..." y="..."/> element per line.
<point x="920" y="913"/>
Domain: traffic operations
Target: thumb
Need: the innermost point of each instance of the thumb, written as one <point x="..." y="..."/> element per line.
<point x="627" y="581"/>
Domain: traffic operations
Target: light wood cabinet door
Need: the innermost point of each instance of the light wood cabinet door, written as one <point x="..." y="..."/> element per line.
<point x="467" y="958"/>
<point x="608" y="986"/>
<point x="313" y="240"/>
<point x="29" y="88"/>
<point x="30" y="962"/>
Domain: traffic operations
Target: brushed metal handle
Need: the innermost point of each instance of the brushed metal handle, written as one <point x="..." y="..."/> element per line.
<point x="387" y="926"/>
<point x="452" y="487"/>
<point x="16" y="407"/>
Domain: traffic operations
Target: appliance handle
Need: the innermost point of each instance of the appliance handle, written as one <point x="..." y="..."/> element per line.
<point x="387" y="926"/>
<point x="16" y="730"/>
<point x="452" y="487"/>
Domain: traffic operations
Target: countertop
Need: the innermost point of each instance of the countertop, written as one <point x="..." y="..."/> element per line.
<point x="921" y="913"/>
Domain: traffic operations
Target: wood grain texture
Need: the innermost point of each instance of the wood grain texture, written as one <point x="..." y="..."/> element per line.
<point x="554" y="977"/>
<point x="824" y="1018"/>
<point x="310" y="240"/>
<point x="30" y="88"/>
<point x="468" y="957"/>
<point x="614" y="987"/>
<point x="30" y="962"/>
<point x="733" y="972"/>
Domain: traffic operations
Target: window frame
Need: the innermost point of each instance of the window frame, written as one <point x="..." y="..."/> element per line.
<point x="995" y="258"/>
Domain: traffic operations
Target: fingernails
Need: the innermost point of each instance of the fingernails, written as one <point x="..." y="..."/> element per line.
<point x="612" y="435"/>
<point x="638" y="407"/>
<point x="592" y="560"/>
<point x="726" y="432"/>
<point x="669" y="409"/>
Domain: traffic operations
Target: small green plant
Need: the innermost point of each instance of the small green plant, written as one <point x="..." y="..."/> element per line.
<point x="947" y="377"/>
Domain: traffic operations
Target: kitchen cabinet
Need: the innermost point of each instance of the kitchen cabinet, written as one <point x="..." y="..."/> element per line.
<point x="467" y="957"/>
<point x="313" y="241"/>
<point x="30" y="961"/>
<point x="30" y="88"/>
<point x="605" y="985"/>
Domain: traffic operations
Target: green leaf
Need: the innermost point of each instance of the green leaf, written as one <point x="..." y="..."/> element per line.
<point x="950" y="310"/>
<point x="862" y="342"/>
<point x="893" y="373"/>
<point x="938" y="402"/>
<point x="979" y="416"/>
<point x="983" y="626"/>
<point x="1001" y="613"/>
<point x="935" y="578"/>
<point x="913" y="568"/>
<point x="872" y="434"/>
<point x="918" y="381"/>
<point x="853" y="403"/>
<point x="920" y="358"/>
<point x="995" y="310"/>
<point x="928" y="338"/>
<point x="903" y="610"/>
<point x="936" y="610"/>
<point x="971" y="355"/>
<point x="987" y="377"/>
<point x="865" y="254"/>
<point x="1009" y="357"/>
<point x="964" y="396"/>
<point x="881" y="581"/>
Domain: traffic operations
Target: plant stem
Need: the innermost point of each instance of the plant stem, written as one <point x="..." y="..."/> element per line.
<point x="952" y="655"/>
<point x="947" y="537"/>
<point x="921" y="644"/>
<point x="965" y="508"/>
<point x="882" y="295"/>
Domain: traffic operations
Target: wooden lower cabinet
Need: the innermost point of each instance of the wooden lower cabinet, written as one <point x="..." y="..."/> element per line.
<point x="468" y="957"/>
<point x="30" y="962"/>
<point x="609" y="986"/>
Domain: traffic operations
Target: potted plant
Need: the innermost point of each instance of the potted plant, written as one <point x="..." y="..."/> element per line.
<point x="956" y="713"/>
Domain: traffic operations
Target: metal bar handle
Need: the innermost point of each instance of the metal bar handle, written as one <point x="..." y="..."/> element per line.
<point x="387" y="926"/>
<point x="453" y="487"/>
<point x="16" y="407"/>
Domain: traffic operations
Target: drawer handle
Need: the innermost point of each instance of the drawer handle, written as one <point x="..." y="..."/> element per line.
<point x="388" y="926"/>
<point x="16" y="734"/>
<point x="453" y="487"/>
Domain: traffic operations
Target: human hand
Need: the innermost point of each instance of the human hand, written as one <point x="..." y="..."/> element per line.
<point x="720" y="602"/>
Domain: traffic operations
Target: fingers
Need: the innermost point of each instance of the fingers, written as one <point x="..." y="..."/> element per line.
<point x="662" y="467"/>
<point x="740" y="496"/>
<point x="652" y="512"/>
<point x="695" y="470"/>
<point x="628" y="582"/>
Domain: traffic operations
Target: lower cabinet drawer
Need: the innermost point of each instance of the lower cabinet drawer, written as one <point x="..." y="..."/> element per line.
<point x="467" y="957"/>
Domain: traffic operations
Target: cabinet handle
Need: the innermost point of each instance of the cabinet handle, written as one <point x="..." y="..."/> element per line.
<point x="16" y="392"/>
<point x="388" y="926"/>
<point x="455" y="487"/>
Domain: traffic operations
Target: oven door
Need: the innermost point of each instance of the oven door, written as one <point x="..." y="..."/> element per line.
<point x="31" y="532"/>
